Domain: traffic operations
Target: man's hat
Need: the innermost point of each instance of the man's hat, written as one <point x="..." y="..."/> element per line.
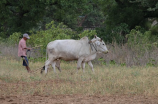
<point x="26" y="35"/>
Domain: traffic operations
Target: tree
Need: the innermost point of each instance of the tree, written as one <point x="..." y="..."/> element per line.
<point x="21" y="16"/>
<point x="131" y="12"/>
<point x="74" y="14"/>
<point x="95" y="17"/>
<point x="128" y="12"/>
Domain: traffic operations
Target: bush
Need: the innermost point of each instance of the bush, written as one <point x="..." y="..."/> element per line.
<point x="117" y="33"/>
<point x="139" y="41"/>
<point x="14" y="38"/>
<point x="89" y="33"/>
<point x="53" y="32"/>
<point x="143" y="45"/>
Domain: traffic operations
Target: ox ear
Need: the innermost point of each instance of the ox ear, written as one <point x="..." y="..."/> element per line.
<point x="95" y="36"/>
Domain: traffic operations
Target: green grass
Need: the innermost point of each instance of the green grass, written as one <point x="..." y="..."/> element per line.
<point x="110" y="79"/>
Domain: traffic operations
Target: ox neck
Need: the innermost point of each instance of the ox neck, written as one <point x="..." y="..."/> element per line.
<point x="93" y="48"/>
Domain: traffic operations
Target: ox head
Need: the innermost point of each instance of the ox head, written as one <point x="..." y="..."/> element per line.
<point x="100" y="44"/>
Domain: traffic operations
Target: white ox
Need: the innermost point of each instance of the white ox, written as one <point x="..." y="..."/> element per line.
<point x="82" y="50"/>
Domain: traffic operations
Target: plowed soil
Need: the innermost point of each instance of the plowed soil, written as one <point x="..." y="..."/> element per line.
<point x="77" y="99"/>
<point x="72" y="99"/>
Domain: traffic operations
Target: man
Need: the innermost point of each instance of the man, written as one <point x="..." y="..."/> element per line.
<point x="22" y="48"/>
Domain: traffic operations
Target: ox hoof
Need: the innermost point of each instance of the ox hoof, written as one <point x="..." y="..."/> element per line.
<point x="43" y="68"/>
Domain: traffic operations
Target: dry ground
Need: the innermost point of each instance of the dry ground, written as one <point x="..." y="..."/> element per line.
<point x="77" y="99"/>
<point x="69" y="99"/>
<point x="109" y="85"/>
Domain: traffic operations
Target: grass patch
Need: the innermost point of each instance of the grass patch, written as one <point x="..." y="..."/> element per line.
<point x="14" y="79"/>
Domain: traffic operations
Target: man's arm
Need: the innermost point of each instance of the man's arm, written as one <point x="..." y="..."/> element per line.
<point x="27" y="48"/>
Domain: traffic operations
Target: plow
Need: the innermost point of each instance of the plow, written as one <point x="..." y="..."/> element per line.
<point x="33" y="50"/>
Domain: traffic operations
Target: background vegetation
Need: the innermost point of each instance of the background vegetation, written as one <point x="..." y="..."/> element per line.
<point x="111" y="18"/>
<point x="129" y="27"/>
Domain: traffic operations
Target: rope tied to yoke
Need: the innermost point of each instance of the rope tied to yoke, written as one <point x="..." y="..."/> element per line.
<point x="92" y="45"/>
<point x="33" y="49"/>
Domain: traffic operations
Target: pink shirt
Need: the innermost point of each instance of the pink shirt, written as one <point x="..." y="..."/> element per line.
<point x="21" y="50"/>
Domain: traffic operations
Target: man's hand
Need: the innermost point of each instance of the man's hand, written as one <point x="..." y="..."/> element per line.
<point x="28" y="49"/>
<point x="23" y="58"/>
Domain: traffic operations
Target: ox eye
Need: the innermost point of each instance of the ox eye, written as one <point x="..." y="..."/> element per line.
<point x="103" y="44"/>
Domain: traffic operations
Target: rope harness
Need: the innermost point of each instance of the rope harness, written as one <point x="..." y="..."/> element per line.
<point x="92" y="45"/>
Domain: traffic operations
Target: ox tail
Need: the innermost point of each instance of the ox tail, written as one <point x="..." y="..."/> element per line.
<point x="43" y="68"/>
<point x="46" y="54"/>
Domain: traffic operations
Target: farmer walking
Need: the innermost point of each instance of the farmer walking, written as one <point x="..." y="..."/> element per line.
<point x="22" y="48"/>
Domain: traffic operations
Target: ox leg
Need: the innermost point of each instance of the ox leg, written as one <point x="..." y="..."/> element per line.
<point x="58" y="65"/>
<point x="79" y="63"/>
<point x="91" y="65"/>
<point x="43" y="68"/>
<point x="47" y="63"/>
<point x="53" y="65"/>
<point x="83" y="66"/>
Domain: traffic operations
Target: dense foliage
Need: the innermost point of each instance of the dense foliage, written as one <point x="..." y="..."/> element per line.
<point x="22" y="16"/>
<point x="112" y="19"/>
<point x="124" y="15"/>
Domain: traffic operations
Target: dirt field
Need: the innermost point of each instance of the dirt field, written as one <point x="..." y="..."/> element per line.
<point x="120" y="86"/>
<point x="77" y="99"/>
<point x="71" y="99"/>
<point x="36" y="98"/>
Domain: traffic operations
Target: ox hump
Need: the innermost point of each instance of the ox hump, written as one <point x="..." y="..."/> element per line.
<point x="85" y="39"/>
